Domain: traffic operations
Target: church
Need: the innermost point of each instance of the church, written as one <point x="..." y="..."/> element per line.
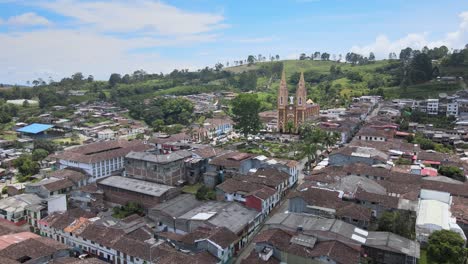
<point x="294" y="110"/>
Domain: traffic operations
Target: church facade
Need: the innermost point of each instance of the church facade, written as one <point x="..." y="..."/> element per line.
<point x="294" y="110"/>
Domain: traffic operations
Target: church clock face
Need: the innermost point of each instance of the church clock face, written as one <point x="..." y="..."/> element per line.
<point x="290" y="108"/>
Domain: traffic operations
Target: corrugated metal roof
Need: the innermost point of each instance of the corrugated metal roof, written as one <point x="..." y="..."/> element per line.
<point x="35" y="128"/>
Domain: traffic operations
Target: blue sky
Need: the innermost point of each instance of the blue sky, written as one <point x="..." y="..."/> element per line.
<point x="55" y="38"/>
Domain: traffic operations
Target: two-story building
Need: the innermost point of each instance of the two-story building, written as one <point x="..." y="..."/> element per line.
<point x="99" y="159"/>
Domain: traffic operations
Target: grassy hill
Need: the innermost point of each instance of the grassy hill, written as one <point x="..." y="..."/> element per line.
<point x="341" y="89"/>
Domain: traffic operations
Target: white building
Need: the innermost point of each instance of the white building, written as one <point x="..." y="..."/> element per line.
<point x="434" y="214"/>
<point x="100" y="159"/>
<point x="432" y="106"/>
<point x="13" y="208"/>
<point x="106" y="134"/>
<point x="452" y="109"/>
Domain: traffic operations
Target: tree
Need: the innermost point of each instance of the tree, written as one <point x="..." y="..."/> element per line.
<point x="452" y="172"/>
<point x="39" y="154"/>
<point x="325" y="56"/>
<point x="371" y="56"/>
<point x="311" y="142"/>
<point x="114" y="79"/>
<point x="218" y="67"/>
<point x="25" y="103"/>
<point x="204" y="193"/>
<point x="316" y="55"/>
<point x="303" y="56"/>
<point x="25" y="165"/>
<point x="90" y="78"/>
<point x="47" y="145"/>
<point x="250" y="60"/>
<point x="421" y="68"/>
<point x="102" y="96"/>
<point x="445" y="246"/>
<point x="397" y="222"/>
<point x="406" y="54"/>
<point x="157" y="124"/>
<point x="77" y="78"/>
<point x="245" y="109"/>
<point x="277" y="57"/>
<point x="290" y="126"/>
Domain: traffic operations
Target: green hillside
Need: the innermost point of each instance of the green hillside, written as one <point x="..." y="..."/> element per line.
<point x="379" y="77"/>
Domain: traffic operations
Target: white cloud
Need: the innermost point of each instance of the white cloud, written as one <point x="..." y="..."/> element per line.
<point x="28" y="19"/>
<point x="257" y="40"/>
<point x="144" y="16"/>
<point x="59" y="53"/>
<point x="117" y="36"/>
<point x="382" y="45"/>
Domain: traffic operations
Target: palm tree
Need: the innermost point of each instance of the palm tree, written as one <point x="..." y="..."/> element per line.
<point x="313" y="141"/>
<point x="290" y="127"/>
<point x="331" y="139"/>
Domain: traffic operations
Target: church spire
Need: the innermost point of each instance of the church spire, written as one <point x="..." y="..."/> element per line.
<point x="301" y="80"/>
<point x="283" y="91"/>
<point x="301" y="93"/>
<point x="283" y="80"/>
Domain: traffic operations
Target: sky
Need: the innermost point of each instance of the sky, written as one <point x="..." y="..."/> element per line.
<point x="52" y="39"/>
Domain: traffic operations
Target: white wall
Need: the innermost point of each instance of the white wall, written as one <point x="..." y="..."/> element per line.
<point x="57" y="204"/>
<point x="443" y="197"/>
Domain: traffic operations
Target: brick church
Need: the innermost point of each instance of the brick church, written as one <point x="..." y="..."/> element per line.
<point x="294" y="110"/>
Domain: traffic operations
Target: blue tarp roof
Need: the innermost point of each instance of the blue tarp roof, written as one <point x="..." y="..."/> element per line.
<point x="34" y="128"/>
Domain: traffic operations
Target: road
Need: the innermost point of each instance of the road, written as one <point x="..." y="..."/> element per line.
<point x="281" y="208"/>
<point x="245" y="252"/>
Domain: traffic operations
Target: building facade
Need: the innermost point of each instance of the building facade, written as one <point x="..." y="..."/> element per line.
<point x="291" y="115"/>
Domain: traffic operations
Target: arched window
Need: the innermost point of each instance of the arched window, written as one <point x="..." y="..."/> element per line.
<point x="300" y="100"/>
<point x="281" y="100"/>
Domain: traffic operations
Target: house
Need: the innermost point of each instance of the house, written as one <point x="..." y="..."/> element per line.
<point x="434" y="214"/>
<point x="355" y="154"/>
<point x="40" y="131"/>
<point x="49" y="186"/>
<point x="227" y="165"/>
<point x="375" y="134"/>
<point x="99" y="159"/>
<point x="167" y="143"/>
<point x="121" y="190"/>
<point x="253" y="195"/>
<point x="126" y="241"/>
<point x="296" y="248"/>
<point x="328" y="204"/>
<point x="432" y="106"/>
<point x="106" y="134"/>
<point x="184" y="214"/>
<point x="27" y="247"/>
<point x="13" y="209"/>
<point x="218" y="241"/>
<point x="89" y="198"/>
<point x="378" y="203"/>
<point x="231" y="163"/>
<point x="379" y="244"/>
<point x="213" y="128"/>
<point x="163" y="168"/>
<point x="386" y="247"/>
<point x="278" y="168"/>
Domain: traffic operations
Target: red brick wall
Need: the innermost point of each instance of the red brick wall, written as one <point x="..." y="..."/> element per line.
<point x="253" y="202"/>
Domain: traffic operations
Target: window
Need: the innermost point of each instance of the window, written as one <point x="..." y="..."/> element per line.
<point x="281" y="100"/>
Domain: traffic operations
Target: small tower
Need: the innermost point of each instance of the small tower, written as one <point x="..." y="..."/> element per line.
<point x="301" y="102"/>
<point x="282" y="102"/>
<point x="283" y="92"/>
<point x="301" y="93"/>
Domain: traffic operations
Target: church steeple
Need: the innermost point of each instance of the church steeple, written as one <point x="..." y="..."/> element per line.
<point x="283" y="92"/>
<point x="301" y="92"/>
